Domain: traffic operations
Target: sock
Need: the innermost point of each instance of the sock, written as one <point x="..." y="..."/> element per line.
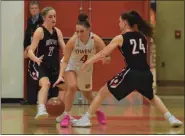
<point x="167" y="115"/>
<point x="66" y="113"/>
<point x="41" y="105"/>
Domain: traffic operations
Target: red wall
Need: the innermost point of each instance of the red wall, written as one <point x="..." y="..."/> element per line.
<point x="105" y="14"/>
<point x="105" y="19"/>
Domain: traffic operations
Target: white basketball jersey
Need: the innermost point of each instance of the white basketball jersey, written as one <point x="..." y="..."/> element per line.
<point x="81" y="53"/>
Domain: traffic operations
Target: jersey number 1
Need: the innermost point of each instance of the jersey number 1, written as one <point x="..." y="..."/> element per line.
<point x="141" y="46"/>
<point x="84" y="58"/>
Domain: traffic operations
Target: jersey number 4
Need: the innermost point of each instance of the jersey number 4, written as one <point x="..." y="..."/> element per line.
<point x="141" y="46"/>
<point x="84" y="58"/>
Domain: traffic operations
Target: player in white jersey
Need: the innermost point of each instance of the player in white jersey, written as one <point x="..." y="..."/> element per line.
<point x="80" y="47"/>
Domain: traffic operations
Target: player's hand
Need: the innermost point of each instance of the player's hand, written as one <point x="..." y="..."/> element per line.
<point x="26" y="53"/>
<point x="106" y="60"/>
<point x="39" y="60"/>
<point x="60" y="78"/>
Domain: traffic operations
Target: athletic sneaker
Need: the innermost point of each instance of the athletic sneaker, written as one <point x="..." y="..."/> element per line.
<point x="59" y="118"/>
<point x="101" y="117"/>
<point x="65" y="121"/>
<point x="174" y="122"/>
<point x="42" y="113"/>
<point x="84" y="121"/>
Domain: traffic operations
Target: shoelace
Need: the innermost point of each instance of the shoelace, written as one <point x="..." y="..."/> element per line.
<point x="83" y="116"/>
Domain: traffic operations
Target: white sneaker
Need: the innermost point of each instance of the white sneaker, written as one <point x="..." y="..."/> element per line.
<point x="174" y="122"/>
<point x="72" y="119"/>
<point x="42" y="113"/>
<point x="84" y="121"/>
<point x="59" y="118"/>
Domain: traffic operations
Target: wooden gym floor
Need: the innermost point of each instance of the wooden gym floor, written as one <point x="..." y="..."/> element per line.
<point x="121" y="119"/>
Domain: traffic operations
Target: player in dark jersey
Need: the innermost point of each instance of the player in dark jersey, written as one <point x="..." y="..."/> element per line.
<point x="135" y="76"/>
<point x="44" y="55"/>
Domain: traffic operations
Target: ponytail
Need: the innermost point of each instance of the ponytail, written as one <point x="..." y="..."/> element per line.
<point x="143" y="26"/>
<point x="133" y="18"/>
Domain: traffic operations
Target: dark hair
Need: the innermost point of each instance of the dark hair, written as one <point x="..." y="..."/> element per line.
<point x="45" y="11"/>
<point x="34" y="3"/>
<point x="83" y="20"/>
<point x="134" y="18"/>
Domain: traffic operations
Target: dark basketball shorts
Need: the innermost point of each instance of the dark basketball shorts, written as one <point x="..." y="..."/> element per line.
<point x="38" y="72"/>
<point x="129" y="80"/>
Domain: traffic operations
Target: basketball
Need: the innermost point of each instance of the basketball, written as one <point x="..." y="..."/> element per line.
<point x="55" y="106"/>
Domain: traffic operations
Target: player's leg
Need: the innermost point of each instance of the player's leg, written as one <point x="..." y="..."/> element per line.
<point x="100" y="97"/>
<point x="61" y="95"/>
<point x="84" y="121"/>
<point x="147" y="91"/>
<point x="100" y="115"/>
<point x="117" y="87"/>
<point x="71" y="80"/>
<point x="39" y="74"/>
<point x="42" y="97"/>
<point x="156" y="101"/>
<point x="88" y="95"/>
<point x="84" y="81"/>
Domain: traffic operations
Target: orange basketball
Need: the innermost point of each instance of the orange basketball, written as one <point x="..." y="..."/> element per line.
<point x="55" y="106"/>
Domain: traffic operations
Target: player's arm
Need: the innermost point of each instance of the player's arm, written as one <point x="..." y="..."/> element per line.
<point x="38" y="35"/>
<point x="99" y="44"/>
<point x="60" y="39"/>
<point x="117" y="41"/>
<point x="67" y="53"/>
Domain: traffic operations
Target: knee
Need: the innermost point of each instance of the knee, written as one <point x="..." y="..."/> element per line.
<point x="46" y="85"/>
<point x="103" y="92"/>
<point x="88" y="94"/>
<point x="72" y="87"/>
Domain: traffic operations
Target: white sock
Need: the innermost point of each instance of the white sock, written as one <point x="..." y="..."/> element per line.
<point x="41" y="108"/>
<point x="167" y="115"/>
<point x="66" y="113"/>
<point x="41" y="105"/>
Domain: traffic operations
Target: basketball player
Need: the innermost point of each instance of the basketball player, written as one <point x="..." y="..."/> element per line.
<point x="44" y="55"/>
<point x="135" y="76"/>
<point x="81" y="47"/>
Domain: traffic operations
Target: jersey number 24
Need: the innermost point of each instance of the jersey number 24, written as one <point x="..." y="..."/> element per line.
<point x="141" y="46"/>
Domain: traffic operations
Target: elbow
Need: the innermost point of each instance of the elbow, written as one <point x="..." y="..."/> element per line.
<point x="30" y="51"/>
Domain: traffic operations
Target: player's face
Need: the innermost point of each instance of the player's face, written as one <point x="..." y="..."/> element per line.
<point x="121" y="24"/>
<point x="82" y="32"/>
<point x="50" y="18"/>
<point x="34" y="9"/>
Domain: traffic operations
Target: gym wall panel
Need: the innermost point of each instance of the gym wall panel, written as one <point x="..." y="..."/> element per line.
<point x="12" y="48"/>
